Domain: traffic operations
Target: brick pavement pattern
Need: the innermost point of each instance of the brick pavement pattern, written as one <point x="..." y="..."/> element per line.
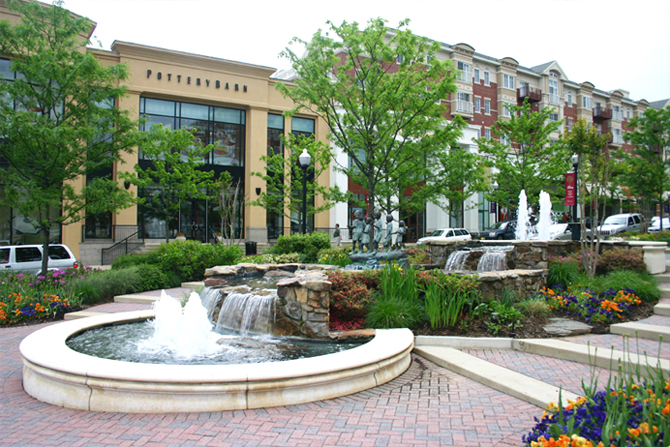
<point x="426" y="406"/>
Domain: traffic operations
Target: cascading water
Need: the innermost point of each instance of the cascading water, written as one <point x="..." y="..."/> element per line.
<point x="456" y="261"/>
<point x="545" y="217"/>
<point x="247" y="313"/>
<point x="494" y="259"/>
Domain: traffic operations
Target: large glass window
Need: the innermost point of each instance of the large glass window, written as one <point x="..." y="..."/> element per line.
<point x="221" y="126"/>
<point x="553" y="88"/>
<point x="274" y="219"/>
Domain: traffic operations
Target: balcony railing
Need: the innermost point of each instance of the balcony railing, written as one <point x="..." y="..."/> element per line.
<point x="602" y="113"/>
<point x="554" y="99"/>
<point x="464" y="76"/>
<point x="464" y="107"/>
<point x="533" y="94"/>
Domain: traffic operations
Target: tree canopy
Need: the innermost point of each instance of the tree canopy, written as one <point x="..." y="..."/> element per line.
<point x="58" y="119"/>
<point x="382" y="93"/>
<point x="646" y="167"/>
<point x="524" y="157"/>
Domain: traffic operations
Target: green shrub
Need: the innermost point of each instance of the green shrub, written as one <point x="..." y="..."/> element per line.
<point x="394" y="312"/>
<point x="350" y="295"/>
<point x="534" y="307"/>
<point x="334" y="256"/>
<point x="188" y="260"/>
<point x="418" y="256"/>
<point x="620" y="259"/>
<point x="151" y="277"/>
<point x="105" y="285"/>
<point x="306" y="245"/>
<point x="447" y="297"/>
<point x="563" y="271"/>
<point x="133" y="259"/>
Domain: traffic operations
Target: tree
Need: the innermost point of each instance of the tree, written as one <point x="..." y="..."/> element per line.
<point x="647" y="167"/>
<point x="229" y="197"/>
<point x="524" y="156"/>
<point x="459" y="175"/>
<point x="595" y="168"/>
<point x="283" y="178"/>
<point x="175" y="169"/>
<point x="58" y="120"/>
<point x="380" y="91"/>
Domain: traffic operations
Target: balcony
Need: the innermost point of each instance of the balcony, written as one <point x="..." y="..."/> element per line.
<point x="533" y="94"/>
<point x="602" y="113"/>
<point x="554" y="100"/>
<point x="464" y="76"/>
<point x="464" y="107"/>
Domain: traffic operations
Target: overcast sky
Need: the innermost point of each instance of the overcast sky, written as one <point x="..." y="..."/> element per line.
<point x="611" y="43"/>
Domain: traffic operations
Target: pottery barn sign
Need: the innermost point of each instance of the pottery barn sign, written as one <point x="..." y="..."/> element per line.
<point x="190" y="80"/>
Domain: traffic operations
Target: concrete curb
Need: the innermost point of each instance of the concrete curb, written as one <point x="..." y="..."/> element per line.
<point x="640" y="330"/>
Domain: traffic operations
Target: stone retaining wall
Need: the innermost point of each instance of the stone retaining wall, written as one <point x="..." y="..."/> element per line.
<point x="303" y="290"/>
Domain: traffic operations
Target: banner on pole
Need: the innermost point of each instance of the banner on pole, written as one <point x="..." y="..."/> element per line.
<point x="570" y="189"/>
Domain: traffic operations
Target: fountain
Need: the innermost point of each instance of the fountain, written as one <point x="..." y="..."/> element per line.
<point x="523" y="227"/>
<point x="56" y="374"/>
<point x="544" y="222"/>
<point x="487" y="258"/>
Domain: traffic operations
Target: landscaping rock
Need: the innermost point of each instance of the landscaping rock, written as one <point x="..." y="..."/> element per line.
<point x="563" y="327"/>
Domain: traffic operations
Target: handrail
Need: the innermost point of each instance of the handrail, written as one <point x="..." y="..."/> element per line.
<point x="116" y="247"/>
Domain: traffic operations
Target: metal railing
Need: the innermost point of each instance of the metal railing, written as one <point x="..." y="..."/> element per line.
<point x="130" y="243"/>
<point x="463" y="106"/>
<point x="114" y="233"/>
<point x="554" y="99"/>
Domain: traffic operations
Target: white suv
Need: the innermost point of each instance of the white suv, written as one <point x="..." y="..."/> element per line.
<point x="28" y="258"/>
<point x="620" y="223"/>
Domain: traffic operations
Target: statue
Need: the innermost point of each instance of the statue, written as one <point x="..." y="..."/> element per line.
<point x="400" y="235"/>
<point x="365" y="240"/>
<point x="378" y="231"/>
<point x="388" y="241"/>
<point x="357" y="234"/>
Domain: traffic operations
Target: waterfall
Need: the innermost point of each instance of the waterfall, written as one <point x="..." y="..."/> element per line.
<point x="247" y="313"/>
<point x="492" y="261"/>
<point x="456" y="261"/>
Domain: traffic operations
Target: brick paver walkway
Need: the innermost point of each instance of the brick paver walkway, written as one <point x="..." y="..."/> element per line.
<point x="426" y="406"/>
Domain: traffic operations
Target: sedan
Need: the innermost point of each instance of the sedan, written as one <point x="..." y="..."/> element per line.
<point x="446" y="234"/>
<point x="656" y="225"/>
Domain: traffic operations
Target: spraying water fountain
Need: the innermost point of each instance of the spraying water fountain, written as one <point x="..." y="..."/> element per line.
<point x="545" y="217"/>
<point x="523" y="227"/>
<point x="57" y="374"/>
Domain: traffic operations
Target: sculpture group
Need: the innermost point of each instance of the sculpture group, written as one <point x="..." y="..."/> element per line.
<point x="363" y="227"/>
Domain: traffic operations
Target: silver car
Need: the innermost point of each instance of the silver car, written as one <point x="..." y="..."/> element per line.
<point x="28" y="258"/>
<point x="446" y="234"/>
<point x="620" y="223"/>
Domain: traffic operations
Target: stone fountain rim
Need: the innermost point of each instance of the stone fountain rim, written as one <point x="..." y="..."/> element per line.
<point x="56" y="374"/>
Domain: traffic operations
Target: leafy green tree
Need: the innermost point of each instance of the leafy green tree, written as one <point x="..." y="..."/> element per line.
<point x="380" y="91"/>
<point x="58" y="121"/>
<point x="175" y="169"/>
<point x="595" y="168"/>
<point x="459" y="174"/>
<point x="283" y="178"/>
<point x="524" y="156"/>
<point x="647" y="167"/>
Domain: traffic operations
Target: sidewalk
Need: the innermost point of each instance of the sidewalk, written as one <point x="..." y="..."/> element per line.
<point x="428" y="405"/>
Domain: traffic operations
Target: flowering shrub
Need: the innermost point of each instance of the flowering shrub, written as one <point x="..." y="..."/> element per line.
<point x="350" y="296"/>
<point x="417" y="255"/>
<point x="334" y="256"/>
<point x="626" y="415"/>
<point x="621" y="259"/>
<point x="612" y="305"/>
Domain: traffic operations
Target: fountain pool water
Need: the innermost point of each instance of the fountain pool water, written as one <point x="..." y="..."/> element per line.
<point x="56" y="374"/>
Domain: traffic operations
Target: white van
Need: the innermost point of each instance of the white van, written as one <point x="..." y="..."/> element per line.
<point x="28" y="258"/>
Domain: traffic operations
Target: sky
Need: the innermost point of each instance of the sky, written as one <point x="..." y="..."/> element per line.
<point x="613" y="44"/>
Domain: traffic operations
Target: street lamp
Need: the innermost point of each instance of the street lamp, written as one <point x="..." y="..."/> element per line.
<point x="575" y="164"/>
<point x="305" y="161"/>
<point x="497" y="211"/>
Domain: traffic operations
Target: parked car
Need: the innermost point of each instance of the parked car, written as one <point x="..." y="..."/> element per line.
<point x="655" y="226"/>
<point x="28" y="258"/>
<point x="620" y="223"/>
<point x="446" y="234"/>
<point x="501" y="230"/>
<point x="562" y="232"/>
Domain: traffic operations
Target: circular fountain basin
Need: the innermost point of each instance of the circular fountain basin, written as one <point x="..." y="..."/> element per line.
<point x="58" y="375"/>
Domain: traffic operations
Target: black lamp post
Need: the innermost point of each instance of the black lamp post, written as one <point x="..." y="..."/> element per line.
<point x="305" y="161"/>
<point x="495" y="188"/>
<point x="575" y="164"/>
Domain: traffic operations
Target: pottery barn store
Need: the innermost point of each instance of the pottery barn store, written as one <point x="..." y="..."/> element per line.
<point x="232" y="105"/>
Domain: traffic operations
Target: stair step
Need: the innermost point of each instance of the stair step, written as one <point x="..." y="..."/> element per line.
<point x="80" y="314"/>
<point x="663" y="277"/>
<point x="665" y="292"/>
<point x="662" y="309"/>
<point x="641" y="330"/>
<point x="604" y="358"/>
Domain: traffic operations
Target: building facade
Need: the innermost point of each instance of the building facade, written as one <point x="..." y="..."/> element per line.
<point x="235" y="107"/>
